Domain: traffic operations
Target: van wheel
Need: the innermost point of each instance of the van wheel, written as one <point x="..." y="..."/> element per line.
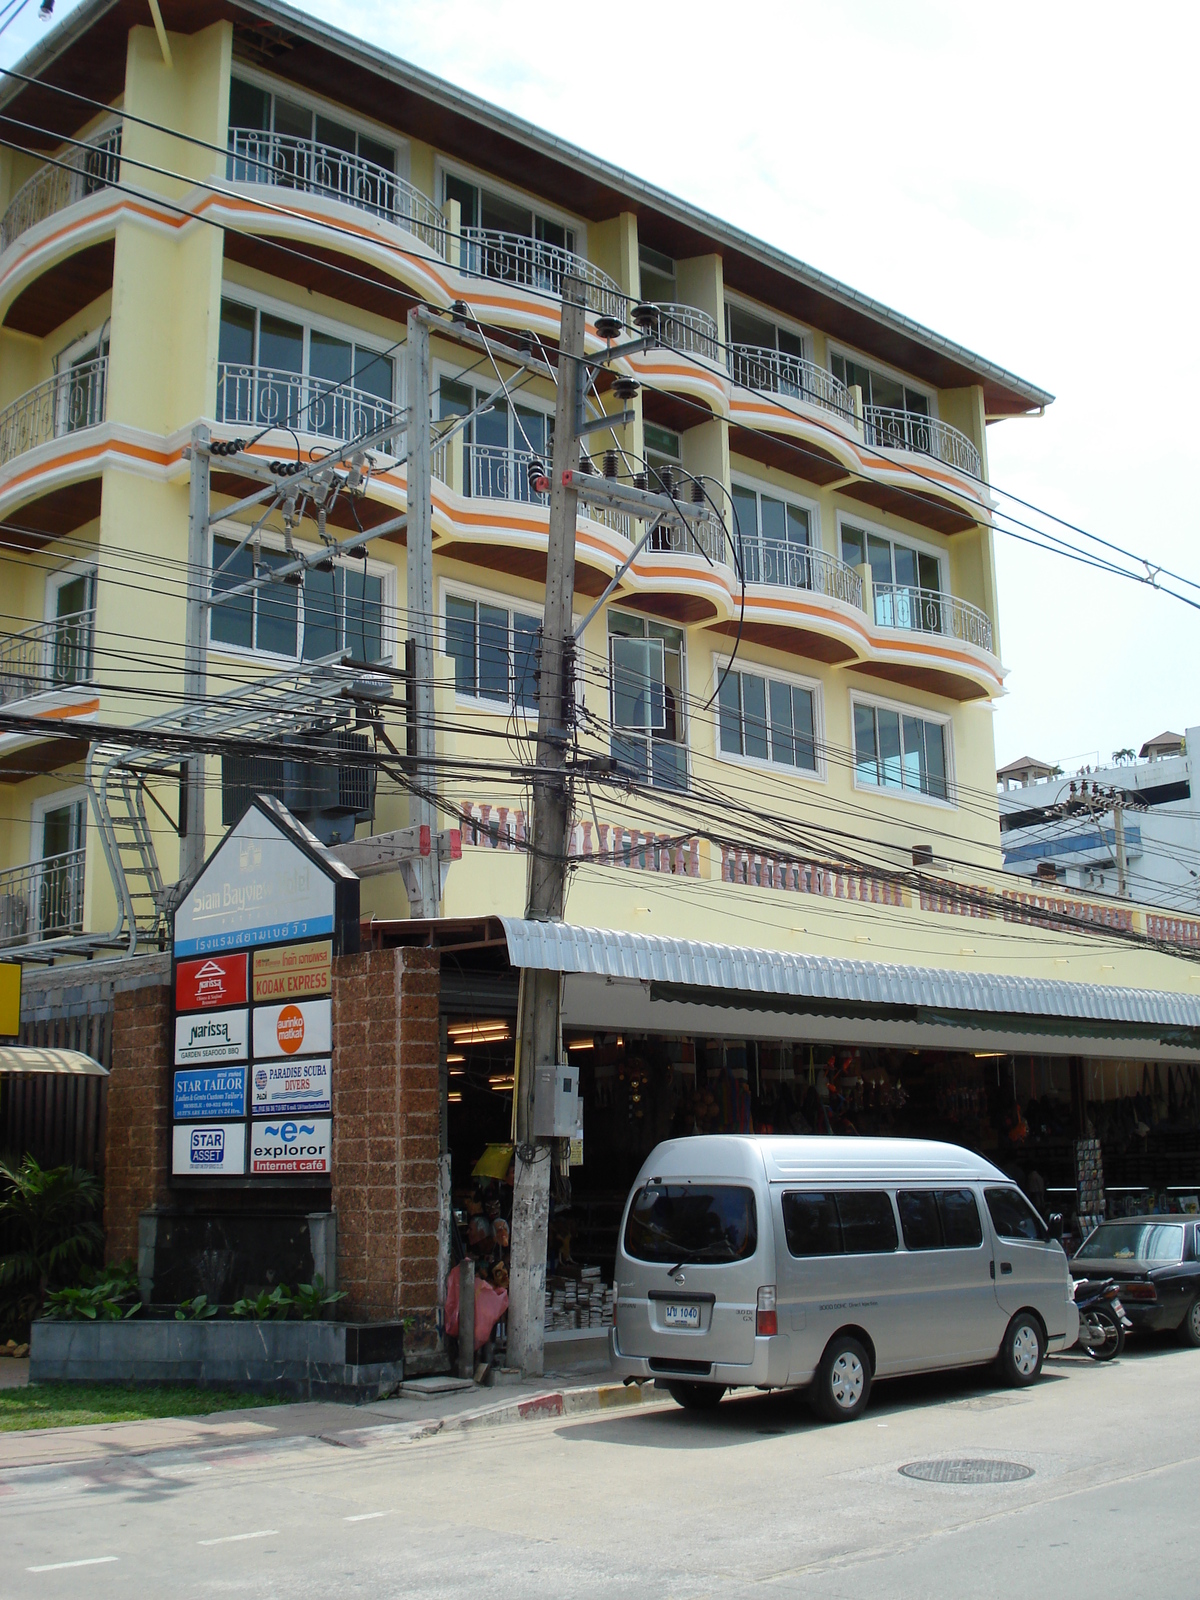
<point x="843" y="1382"/>
<point x="1023" y="1351"/>
<point x="696" y="1396"/>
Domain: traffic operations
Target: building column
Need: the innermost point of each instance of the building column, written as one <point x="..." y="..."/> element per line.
<point x="137" y="1160"/>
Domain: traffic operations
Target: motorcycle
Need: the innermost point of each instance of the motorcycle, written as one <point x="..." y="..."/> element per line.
<point x="1102" y="1320"/>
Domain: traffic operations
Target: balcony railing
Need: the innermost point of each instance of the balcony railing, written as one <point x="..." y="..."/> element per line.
<point x="52" y="655"/>
<point x="81" y="171"/>
<point x="707" y="538"/>
<point x="798" y="566"/>
<point x="775" y="372"/>
<point x="264" y="397"/>
<point x="256" y="156"/>
<point x="43" y="900"/>
<point x="928" y="611"/>
<point x="688" y="330"/>
<point x="534" y="264"/>
<point x="67" y="402"/>
<point x="908" y="430"/>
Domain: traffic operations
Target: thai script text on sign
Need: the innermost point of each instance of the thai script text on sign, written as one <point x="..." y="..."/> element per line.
<point x="294" y="972"/>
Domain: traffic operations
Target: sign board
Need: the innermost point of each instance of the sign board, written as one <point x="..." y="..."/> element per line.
<point x="211" y="1036"/>
<point x="217" y="1149"/>
<point x="296" y="972"/>
<point x="210" y="1092"/>
<point x="290" y="1087"/>
<point x="268" y="881"/>
<point x="214" y="981"/>
<point x="10" y="999"/>
<point x="293" y="1145"/>
<point x="302" y="1027"/>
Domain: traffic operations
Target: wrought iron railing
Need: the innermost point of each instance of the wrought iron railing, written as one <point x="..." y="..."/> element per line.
<point x="929" y="611"/>
<point x="50" y="655"/>
<point x="264" y="397"/>
<point x="43" y="900"/>
<point x="257" y="156"/>
<point x="534" y="264"/>
<point x="799" y="566"/>
<point x="926" y="436"/>
<point x="688" y="330"/>
<point x="69" y="401"/>
<point x="775" y="372"/>
<point x="705" y="538"/>
<point x="494" y="472"/>
<point x="81" y="171"/>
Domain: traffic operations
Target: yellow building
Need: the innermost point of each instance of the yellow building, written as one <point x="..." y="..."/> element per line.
<point x="227" y="226"/>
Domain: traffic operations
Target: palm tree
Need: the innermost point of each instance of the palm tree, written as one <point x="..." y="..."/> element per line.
<point x="48" y="1217"/>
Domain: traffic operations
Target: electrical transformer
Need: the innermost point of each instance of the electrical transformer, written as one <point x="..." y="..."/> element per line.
<point x="557" y="1111"/>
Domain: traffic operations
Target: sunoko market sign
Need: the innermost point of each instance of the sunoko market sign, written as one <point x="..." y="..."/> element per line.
<point x="270" y="881"/>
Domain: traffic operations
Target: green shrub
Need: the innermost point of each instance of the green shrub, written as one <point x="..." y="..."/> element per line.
<point x="49" y="1213"/>
<point x="312" y="1299"/>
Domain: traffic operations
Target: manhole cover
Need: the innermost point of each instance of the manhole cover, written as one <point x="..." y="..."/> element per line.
<point x="967" y="1471"/>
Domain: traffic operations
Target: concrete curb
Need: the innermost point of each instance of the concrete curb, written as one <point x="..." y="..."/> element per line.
<point x="545" y="1407"/>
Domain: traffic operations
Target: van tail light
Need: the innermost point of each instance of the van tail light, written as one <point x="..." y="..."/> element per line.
<point x="765" y="1320"/>
<point x="1138" y="1291"/>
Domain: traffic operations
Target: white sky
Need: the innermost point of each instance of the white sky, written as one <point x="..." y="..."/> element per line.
<point x="1020" y="178"/>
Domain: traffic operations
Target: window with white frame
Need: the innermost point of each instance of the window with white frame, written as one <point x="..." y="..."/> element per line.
<point x="897" y="749"/>
<point x="70" y="619"/>
<point x="751" y="330"/>
<point x="774" y="533"/>
<point x="906" y="582"/>
<point x="275" y="139"/>
<point x="81" y="381"/>
<point x="648" y="668"/>
<point x="338" y="606"/>
<point x="278" y="370"/>
<point x="880" y="388"/>
<point x="498" y="443"/>
<point x="493" y="211"/>
<point x="494" y="648"/>
<point x="657" y="275"/>
<point x="766" y="717"/>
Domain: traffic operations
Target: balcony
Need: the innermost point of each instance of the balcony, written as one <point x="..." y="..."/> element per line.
<point x="707" y="538"/>
<point x="263" y="397"/>
<point x="256" y="156"/>
<point x="51" y="655"/>
<point x="927" y="611"/>
<point x="684" y="328"/>
<point x="83" y="170"/>
<point x="66" y="403"/>
<point x="533" y="264"/>
<point x="774" y="372"/>
<point x="43" y="900"/>
<point x="908" y="430"/>
<point x="796" y="566"/>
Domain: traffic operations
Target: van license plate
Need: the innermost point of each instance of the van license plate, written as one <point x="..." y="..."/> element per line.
<point x="681" y="1316"/>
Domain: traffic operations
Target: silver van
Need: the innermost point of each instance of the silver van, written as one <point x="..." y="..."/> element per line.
<point x="823" y="1263"/>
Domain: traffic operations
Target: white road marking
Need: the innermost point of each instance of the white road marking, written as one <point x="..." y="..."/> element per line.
<point x="365" y="1516"/>
<point x="236" y="1538"/>
<point x="88" y="1561"/>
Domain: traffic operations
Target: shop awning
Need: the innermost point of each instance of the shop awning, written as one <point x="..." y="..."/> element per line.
<point x="25" y="1058"/>
<point x="689" y="970"/>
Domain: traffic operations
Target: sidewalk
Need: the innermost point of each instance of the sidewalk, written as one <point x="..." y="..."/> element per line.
<point x="407" y="1417"/>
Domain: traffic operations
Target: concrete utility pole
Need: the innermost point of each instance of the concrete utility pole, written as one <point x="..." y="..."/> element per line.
<point x="421" y="873"/>
<point x="539" y="1023"/>
<point x="1119" y="829"/>
<point x="195" y="648"/>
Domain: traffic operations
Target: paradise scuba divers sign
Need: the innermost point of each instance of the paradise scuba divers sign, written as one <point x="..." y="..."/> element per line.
<point x="290" y="1087"/>
<point x="269" y="881"/>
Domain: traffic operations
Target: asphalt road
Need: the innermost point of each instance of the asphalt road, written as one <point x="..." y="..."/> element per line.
<point x="755" y="1498"/>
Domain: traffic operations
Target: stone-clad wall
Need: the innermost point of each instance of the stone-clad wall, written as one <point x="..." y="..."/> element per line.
<point x="386" y="1136"/>
<point x="137" y="1159"/>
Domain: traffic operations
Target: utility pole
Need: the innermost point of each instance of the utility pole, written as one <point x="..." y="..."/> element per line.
<point x="539" y="1022"/>
<point x="195" y="649"/>
<point x="1119" y="828"/>
<point x="422" y="873"/>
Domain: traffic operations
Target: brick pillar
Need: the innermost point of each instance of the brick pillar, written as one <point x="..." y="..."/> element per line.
<point x="386" y="1136"/>
<point x="138" y="1139"/>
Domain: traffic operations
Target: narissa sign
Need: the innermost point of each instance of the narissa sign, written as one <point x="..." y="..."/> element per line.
<point x="255" y="939"/>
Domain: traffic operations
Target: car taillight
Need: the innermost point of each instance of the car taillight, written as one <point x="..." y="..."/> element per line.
<point x="766" y="1321"/>
<point x="1138" y="1291"/>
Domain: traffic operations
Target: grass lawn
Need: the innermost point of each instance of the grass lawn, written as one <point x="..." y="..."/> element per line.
<point x="60" y="1405"/>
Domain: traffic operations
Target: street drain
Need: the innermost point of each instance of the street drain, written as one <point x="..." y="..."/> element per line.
<point x="967" y="1471"/>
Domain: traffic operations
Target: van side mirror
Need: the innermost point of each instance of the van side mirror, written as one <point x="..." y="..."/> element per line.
<point x="1056" y="1226"/>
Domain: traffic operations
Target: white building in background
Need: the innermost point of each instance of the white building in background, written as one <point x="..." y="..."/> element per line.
<point x="1162" y="841"/>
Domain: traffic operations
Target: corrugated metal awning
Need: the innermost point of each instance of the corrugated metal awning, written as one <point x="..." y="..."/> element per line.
<point x="24" y="1058"/>
<point x="720" y="974"/>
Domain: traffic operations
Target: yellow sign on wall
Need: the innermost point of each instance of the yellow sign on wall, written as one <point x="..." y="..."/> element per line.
<point x="10" y="999"/>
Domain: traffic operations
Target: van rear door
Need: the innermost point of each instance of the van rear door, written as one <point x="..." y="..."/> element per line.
<point x="692" y="1249"/>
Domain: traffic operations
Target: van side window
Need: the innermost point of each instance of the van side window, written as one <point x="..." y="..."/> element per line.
<point x="939" y="1219"/>
<point x="1012" y="1215"/>
<point x="850" y="1223"/>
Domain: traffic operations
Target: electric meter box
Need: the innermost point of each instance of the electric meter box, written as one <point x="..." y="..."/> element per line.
<point x="556" y="1107"/>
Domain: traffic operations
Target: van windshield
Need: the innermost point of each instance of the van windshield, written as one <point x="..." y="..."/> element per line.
<point x="679" y="1222"/>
